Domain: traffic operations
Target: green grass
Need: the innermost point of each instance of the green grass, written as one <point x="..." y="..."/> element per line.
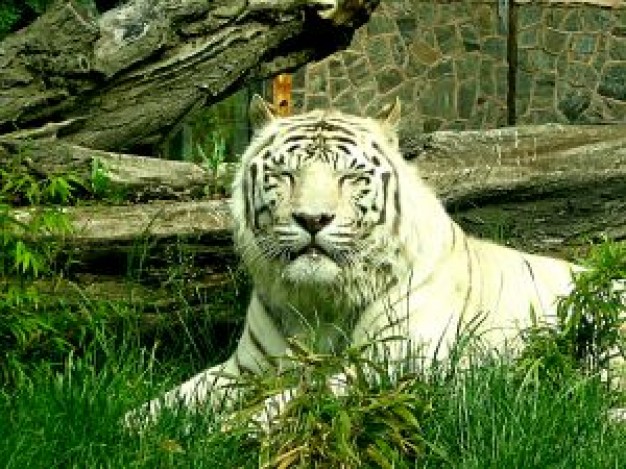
<point x="72" y="418"/>
<point x="488" y="417"/>
<point x="493" y="421"/>
<point x="73" y="374"/>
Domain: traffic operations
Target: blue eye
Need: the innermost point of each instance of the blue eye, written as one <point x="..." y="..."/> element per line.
<point x="282" y="175"/>
<point x="354" y="177"/>
<point x="287" y="175"/>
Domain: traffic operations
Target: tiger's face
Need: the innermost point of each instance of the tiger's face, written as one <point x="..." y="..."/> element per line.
<point x="316" y="192"/>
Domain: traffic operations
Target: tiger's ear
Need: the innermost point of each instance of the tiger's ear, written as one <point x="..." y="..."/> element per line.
<point x="390" y="114"/>
<point x="260" y="112"/>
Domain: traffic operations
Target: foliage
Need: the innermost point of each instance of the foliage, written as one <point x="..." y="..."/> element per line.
<point x="71" y="417"/>
<point x="102" y="187"/>
<point x="589" y="331"/>
<point x="217" y="155"/>
<point x="379" y="422"/>
<point x="29" y="239"/>
<point x="35" y="334"/>
<point x="17" y="13"/>
<point x="9" y="16"/>
<point x="227" y="118"/>
<point x="481" y="419"/>
<point x="594" y="315"/>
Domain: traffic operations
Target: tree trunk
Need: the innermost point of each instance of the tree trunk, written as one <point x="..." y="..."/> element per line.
<point x="548" y="186"/>
<point x="547" y="189"/>
<point x="76" y="90"/>
<point x="121" y="80"/>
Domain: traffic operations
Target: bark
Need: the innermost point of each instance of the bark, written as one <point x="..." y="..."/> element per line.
<point x="77" y="90"/>
<point x="547" y="189"/>
<point x="479" y="167"/>
<point x="121" y="80"/>
<point x="507" y="171"/>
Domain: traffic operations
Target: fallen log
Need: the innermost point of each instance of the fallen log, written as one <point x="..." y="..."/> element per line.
<point x="463" y="167"/>
<point x="546" y="188"/>
<point x="123" y="78"/>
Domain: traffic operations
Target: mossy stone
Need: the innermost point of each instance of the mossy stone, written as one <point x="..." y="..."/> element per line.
<point x="613" y="81"/>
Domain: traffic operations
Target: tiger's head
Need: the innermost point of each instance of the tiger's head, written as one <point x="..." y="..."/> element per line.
<point x="317" y="199"/>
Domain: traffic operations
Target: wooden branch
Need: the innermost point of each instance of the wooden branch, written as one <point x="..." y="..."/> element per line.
<point x="129" y="75"/>
<point x="474" y="167"/>
<point x="545" y="189"/>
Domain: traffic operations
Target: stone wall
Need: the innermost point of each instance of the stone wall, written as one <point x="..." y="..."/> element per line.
<point x="448" y="63"/>
<point x="571" y="64"/>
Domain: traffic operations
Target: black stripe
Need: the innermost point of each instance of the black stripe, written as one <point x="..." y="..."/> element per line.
<point x="396" y="203"/>
<point x="278" y="159"/>
<point x="530" y="269"/>
<point x="338" y="140"/>
<point x="237" y="362"/>
<point x="246" y="198"/>
<point x="377" y="148"/>
<point x="453" y="236"/>
<point x="254" y="170"/>
<point x="469" y="275"/>
<point x="243" y="367"/>
<point x="344" y="128"/>
<point x="295" y="138"/>
<point x="342" y="147"/>
<point x="291" y="148"/>
<point x="348" y="126"/>
<point x="396" y="196"/>
<point x="383" y="212"/>
<point x="258" y="212"/>
<point x="260" y="347"/>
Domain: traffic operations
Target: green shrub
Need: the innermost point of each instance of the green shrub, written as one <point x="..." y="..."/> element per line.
<point x="378" y="422"/>
<point x="589" y="333"/>
<point x="32" y="230"/>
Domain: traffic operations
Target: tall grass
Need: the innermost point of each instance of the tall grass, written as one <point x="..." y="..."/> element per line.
<point x="546" y="409"/>
<point x="488" y="417"/>
<point x="72" y="418"/>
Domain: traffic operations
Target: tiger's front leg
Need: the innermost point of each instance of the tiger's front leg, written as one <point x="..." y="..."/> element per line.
<point x="213" y="388"/>
<point x="216" y="388"/>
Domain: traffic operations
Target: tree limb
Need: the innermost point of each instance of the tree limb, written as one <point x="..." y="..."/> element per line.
<point x="131" y="74"/>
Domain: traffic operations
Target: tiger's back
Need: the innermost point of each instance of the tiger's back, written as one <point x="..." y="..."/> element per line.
<point x="344" y="241"/>
<point x="388" y="260"/>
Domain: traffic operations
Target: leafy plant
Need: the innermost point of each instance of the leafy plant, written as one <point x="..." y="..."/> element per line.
<point x="214" y="159"/>
<point x="378" y="422"/>
<point x="32" y="230"/>
<point x="9" y="15"/>
<point x="15" y="14"/>
<point x="593" y="317"/>
<point x="101" y="186"/>
<point x="30" y="235"/>
<point x="589" y="333"/>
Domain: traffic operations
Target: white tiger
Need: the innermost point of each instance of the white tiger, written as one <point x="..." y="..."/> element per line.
<point x="339" y="233"/>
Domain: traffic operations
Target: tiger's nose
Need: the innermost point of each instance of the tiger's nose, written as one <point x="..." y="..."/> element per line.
<point x="313" y="223"/>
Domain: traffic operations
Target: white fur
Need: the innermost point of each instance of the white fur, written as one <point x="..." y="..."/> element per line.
<point x="430" y="278"/>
